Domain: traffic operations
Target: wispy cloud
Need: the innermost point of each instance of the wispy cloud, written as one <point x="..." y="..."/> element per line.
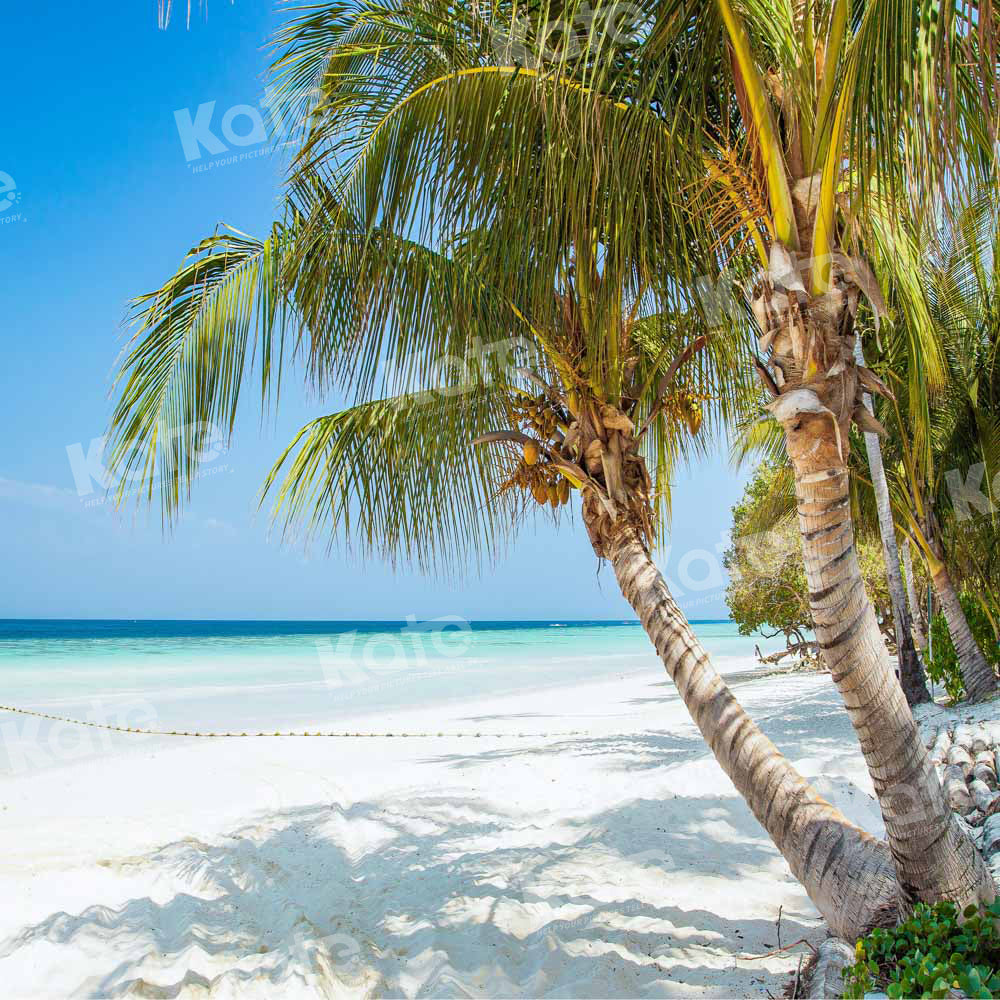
<point x="39" y="495"/>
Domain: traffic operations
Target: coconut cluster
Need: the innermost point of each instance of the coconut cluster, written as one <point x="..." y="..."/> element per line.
<point x="541" y="481"/>
<point x="534" y="473"/>
<point x="685" y="406"/>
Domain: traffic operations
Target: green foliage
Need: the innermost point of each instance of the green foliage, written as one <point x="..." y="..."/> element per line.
<point x="930" y="954"/>
<point x="767" y="580"/>
<point x="767" y="587"/>
<point x="943" y="667"/>
<point x="426" y="140"/>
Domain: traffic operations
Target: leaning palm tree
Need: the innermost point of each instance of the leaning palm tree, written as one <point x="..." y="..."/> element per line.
<point x="850" y="108"/>
<point x="932" y="437"/>
<point x="449" y="189"/>
<point x="400" y="473"/>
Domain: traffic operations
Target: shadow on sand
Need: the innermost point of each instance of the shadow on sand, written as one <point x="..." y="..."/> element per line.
<point x="433" y="895"/>
<point x="456" y="900"/>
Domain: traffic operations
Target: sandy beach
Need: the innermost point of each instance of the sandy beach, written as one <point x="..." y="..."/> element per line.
<point x="618" y="861"/>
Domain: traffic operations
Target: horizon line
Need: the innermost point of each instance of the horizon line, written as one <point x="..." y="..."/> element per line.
<point x="392" y="621"/>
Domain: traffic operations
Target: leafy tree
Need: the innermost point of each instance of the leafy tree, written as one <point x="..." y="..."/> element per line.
<point x="943" y="666"/>
<point x="768" y="588"/>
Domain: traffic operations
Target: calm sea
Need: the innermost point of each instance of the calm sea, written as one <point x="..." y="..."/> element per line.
<point x="274" y="674"/>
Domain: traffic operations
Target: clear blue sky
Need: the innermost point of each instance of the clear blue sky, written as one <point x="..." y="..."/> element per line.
<point x="97" y="203"/>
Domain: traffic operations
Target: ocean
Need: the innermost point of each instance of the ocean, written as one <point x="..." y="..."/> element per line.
<point x="269" y="675"/>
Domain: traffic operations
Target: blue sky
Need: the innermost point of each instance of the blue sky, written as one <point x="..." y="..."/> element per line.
<point x="98" y="202"/>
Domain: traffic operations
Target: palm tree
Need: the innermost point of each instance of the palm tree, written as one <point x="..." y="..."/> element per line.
<point x="911" y="670"/>
<point x="931" y="440"/>
<point x="448" y="189"/>
<point x="958" y="426"/>
<point x="399" y="473"/>
<point x="916" y="617"/>
<point x="845" y="107"/>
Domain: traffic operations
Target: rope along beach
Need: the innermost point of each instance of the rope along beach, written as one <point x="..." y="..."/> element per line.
<point x="329" y="735"/>
<point x="734" y="678"/>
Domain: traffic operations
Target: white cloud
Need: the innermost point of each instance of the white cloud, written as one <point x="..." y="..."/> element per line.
<point x="39" y="494"/>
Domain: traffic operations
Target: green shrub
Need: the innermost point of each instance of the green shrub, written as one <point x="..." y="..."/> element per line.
<point x="930" y="954"/>
<point x="943" y="667"/>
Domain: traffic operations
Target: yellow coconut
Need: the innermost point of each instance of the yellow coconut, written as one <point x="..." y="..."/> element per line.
<point x="694" y="418"/>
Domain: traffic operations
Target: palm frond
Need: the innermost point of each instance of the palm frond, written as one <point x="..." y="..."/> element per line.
<point x="401" y="478"/>
<point x="198" y="339"/>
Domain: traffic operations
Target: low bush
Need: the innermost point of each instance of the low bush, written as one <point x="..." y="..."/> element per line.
<point x="930" y="954"/>
<point x="943" y="667"/>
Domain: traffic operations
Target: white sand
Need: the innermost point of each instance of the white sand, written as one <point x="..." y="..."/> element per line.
<point x="620" y="863"/>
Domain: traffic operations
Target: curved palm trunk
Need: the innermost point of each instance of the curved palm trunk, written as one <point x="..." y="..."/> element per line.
<point x="978" y="676"/>
<point x="934" y="859"/>
<point x="847" y="873"/>
<point x="916" y="613"/>
<point x="817" y="387"/>
<point x="911" y="670"/>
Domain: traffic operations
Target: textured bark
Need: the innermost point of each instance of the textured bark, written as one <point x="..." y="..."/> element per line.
<point x="978" y="676"/>
<point x="847" y="873"/>
<point x="817" y="386"/>
<point x="911" y="670"/>
<point x="933" y="857"/>
<point x="916" y="607"/>
<point x="826" y="976"/>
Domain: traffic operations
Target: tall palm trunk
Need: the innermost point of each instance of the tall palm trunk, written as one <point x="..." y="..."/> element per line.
<point x="816" y="383"/>
<point x="847" y="873"/>
<point x="916" y="607"/>
<point x="977" y="675"/>
<point x="934" y="858"/>
<point x="911" y="670"/>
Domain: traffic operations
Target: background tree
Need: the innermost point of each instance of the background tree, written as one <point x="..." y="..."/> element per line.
<point x="936" y="434"/>
<point x="767" y="581"/>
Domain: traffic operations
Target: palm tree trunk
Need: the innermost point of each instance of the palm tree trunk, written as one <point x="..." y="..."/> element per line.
<point x="978" y="676"/>
<point x="916" y="608"/>
<point x="847" y="873"/>
<point x="911" y="670"/>
<point x="934" y="859"/>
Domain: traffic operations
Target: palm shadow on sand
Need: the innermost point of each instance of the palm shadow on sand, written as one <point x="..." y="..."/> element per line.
<point x="433" y="895"/>
<point x="457" y="900"/>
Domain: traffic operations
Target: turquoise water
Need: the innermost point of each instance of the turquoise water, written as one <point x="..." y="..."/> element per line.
<point x="269" y="675"/>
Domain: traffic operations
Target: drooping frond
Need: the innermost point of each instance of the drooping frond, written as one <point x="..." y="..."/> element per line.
<point x="198" y="340"/>
<point x="924" y="110"/>
<point x="401" y="478"/>
<point x="393" y="314"/>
